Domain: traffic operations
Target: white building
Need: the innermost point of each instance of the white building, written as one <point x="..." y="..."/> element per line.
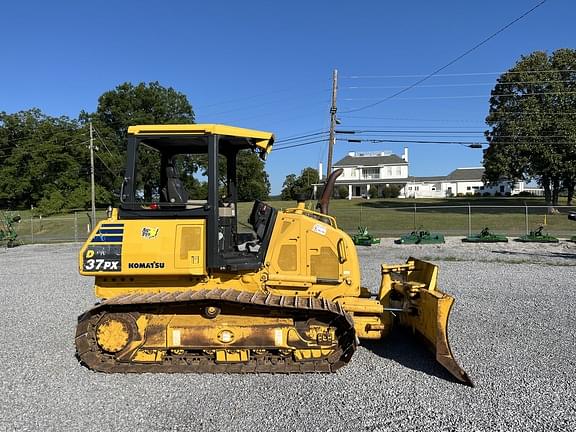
<point x="364" y="171"/>
<point x="461" y="182"/>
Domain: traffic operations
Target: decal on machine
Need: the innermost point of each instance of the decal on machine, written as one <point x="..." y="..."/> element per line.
<point x="104" y="258"/>
<point x="319" y="229"/>
<point x="146" y="265"/>
<point x="109" y="233"/>
<point x="150" y="233"/>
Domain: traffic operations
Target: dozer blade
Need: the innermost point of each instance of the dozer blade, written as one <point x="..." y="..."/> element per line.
<point x="431" y="323"/>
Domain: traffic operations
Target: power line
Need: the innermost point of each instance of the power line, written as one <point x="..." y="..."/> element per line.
<point x="471" y="96"/>
<point x="258" y="105"/>
<point x="456" y="74"/>
<point x="115" y="174"/>
<point x="301" y="144"/>
<point x="458" y="85"/>
<point x="296" y="138"/>
<point x="441" y="142"/>
<point x="478" y="45"/>
<point x="302" y="133"/>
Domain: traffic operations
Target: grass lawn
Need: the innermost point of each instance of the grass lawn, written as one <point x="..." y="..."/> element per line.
<point x="383" y="217"/>
<point x="393" y="217"/>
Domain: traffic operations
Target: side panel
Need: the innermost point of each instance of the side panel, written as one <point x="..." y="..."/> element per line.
<point x="145" y="247"/>
<point x="312" y="257"/>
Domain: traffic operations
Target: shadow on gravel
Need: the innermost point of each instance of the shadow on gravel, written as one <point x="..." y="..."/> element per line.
<point x="546" y="255"/>
<point x="403" y="348"/>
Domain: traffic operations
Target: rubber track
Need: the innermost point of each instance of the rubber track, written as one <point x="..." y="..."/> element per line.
<point x="91" y="356"/>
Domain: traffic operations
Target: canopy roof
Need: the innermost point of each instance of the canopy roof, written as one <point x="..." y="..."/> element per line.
<point x="244" y="138"/>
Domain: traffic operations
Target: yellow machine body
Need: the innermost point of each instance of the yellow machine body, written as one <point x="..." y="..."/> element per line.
<point x="302" y="310"/>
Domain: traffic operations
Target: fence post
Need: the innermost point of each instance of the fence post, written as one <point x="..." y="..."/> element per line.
<point x="414" y="217"/>
<point x="76" y="226"/>
<point x="527" y="226"/>
<point x="361" y="212"/>
<point x="32" y="228"/>
<point x="469" y="220"/>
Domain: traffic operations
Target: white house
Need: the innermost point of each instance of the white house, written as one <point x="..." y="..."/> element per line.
<point x="364" y="171"/>
<point x="460" y="182"/>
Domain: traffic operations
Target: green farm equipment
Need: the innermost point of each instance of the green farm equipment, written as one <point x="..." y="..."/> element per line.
<point x="485" y="236"/>
<point x="421" y="237"/>
<point x="364" y="238"/>
<point x="8" y="233"/>
<point x="538" y="236"/>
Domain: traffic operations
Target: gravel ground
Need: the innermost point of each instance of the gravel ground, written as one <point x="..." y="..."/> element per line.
<point x="513" y="329"/>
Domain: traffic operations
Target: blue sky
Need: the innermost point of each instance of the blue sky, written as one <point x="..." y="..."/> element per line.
<point x="268" y="65"/>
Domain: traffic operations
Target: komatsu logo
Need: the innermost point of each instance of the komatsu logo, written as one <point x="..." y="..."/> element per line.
<point x="146" y="265"/>
<point x="150" y="233"/>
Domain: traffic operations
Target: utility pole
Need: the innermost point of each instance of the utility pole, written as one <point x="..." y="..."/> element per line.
<point x="93" y="222"/>
<point x="333" y="110"/>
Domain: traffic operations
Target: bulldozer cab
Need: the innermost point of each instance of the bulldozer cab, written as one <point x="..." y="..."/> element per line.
<point x="189" y="172"/>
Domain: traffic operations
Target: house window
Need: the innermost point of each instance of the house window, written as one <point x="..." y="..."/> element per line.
<point x="416" y="188"/>
<point x="468" y="188"/>
<point x="370" y="173"/>
<point x="501" y="188"/>
<point x="409" y="187"/>
<point x="398" y="171"/>
<point x="433" y="188"/>
<point x="388" y="171"/>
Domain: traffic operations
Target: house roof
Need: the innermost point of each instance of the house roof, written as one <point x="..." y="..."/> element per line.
<point x="370" y="161"/>
<point x="466" y="174"/>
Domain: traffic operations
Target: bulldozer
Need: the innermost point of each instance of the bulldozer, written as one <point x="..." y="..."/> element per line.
<point x="183" y="289"/>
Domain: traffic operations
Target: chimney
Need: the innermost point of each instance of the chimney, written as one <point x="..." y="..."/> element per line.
<point x="320" y="171"/>
<point x="405" y="155"/>
<point x="352" y="153"/>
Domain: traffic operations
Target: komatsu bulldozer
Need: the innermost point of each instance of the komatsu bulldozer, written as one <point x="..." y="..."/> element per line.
<point x="182" y="289"/>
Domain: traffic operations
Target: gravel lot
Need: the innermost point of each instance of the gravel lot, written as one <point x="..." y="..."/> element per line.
<point x="513" y="329"/>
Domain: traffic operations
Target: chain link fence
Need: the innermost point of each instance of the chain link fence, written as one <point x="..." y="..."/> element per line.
<point x="457" y="220"/>
<point x="74" y="227"/>
<point x="381" y="221"/>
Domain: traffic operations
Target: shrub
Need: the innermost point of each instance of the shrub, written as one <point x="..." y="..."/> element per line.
<point x="342" y="192"/>
<point x="525" y="194"/>
<point x="392" y="191"/>
<point x="486" y="194"/>
<point x="460" y="194"/>
<point x="373" y="193"/>
<point x="52" y="204"/>
<point x="497" y="194"/>
<point x="477" y="194"/>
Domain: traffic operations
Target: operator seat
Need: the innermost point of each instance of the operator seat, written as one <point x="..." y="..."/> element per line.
<point x="174" y="192"/>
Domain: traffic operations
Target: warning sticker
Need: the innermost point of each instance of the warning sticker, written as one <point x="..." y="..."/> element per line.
<point x="319" y="229"/>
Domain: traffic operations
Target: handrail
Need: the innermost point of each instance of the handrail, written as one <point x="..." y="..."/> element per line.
<point x="311" y="213"/>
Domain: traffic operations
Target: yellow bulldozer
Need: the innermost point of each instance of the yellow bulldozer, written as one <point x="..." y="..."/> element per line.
<point x="183" y="290"/>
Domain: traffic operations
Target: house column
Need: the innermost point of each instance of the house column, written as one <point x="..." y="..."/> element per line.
<point x="349" y="191"/>
<point x="314" y="192"/>
<point x="368" y="191"/>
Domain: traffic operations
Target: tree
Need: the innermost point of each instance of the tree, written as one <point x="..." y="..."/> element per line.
<point x="150" y="103"/>
<point x="253" y="182"/>
<point x="44" y="158"/>
<point x="300" y="185"/>
<point x="128" y="105"/>
<point x="532" y="122"/>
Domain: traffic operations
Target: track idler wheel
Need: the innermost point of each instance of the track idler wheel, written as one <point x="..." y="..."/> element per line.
<point x="114" y="332"/>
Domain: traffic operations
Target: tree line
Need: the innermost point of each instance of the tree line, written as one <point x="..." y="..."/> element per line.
<point x="532" y="120"/>
<point x="45" y="160"/>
